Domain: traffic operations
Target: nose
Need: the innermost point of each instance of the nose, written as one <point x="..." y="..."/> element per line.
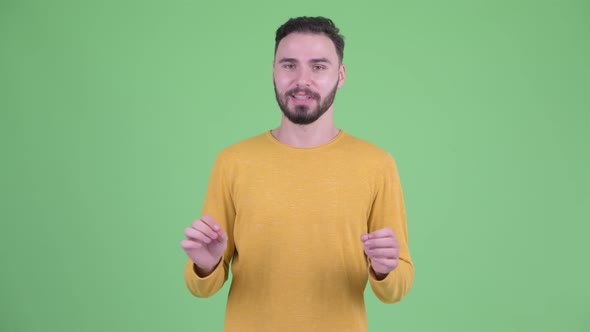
<point x="303" y="77"/>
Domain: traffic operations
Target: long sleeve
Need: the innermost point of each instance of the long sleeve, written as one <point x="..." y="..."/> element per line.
<point x="388" y="211"/>
<point x="219" y="204"/>
<point x="294" y="217"/>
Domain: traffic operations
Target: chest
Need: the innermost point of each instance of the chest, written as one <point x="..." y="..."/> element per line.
<point x="302" y="201"/>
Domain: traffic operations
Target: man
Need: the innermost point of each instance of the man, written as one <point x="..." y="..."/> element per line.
<point x="305" y="212"/>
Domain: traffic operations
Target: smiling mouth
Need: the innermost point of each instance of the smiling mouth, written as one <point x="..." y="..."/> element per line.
<point x="301" y="97"/>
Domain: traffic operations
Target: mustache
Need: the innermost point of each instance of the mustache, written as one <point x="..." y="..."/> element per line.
<point x="313" y="94"/>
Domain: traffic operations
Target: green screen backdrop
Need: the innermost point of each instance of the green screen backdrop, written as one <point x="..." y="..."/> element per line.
<point x="113" y="111"/>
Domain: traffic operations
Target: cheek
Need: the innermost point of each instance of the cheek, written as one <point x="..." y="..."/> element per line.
<point x="327" y="84"/>
<point x="281" y="81"/>
<point x="327" y="79"/>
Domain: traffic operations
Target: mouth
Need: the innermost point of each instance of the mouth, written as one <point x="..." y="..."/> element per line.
<point x="302" y="97"/>
<point x="301" y="100"/>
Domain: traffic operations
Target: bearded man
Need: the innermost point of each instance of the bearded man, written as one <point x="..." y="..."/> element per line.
<point x="304" y="214"/>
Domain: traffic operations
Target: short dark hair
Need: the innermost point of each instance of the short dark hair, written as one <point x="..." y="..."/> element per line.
<point x="317" y="25"/>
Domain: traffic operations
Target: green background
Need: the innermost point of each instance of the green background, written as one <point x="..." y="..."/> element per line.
<point x="112" y="113"/>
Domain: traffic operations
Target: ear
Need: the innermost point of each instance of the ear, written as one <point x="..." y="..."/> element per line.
<point x="341" y="75"/>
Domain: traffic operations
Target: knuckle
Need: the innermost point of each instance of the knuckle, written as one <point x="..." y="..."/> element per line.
<point x="394" y="263"/>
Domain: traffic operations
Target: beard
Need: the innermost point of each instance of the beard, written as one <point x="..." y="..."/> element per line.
<point x="305" y="114"/>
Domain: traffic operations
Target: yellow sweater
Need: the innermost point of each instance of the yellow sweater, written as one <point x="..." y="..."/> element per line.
<point x="294" y="217"/>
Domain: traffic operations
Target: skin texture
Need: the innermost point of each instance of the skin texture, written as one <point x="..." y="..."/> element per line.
<point x="307" y="62"/>
<point x="306" y="74"/>
<point x="382" y="248"/>
<point x="311" y="75"/>
<point x="204" y="244"/>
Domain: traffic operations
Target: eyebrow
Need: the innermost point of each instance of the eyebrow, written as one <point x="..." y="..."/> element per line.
<point x="317" y="60"/>
<point x="320" y="60"/>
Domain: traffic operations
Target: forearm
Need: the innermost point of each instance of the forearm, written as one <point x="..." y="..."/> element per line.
<point x="203" y="284"/>
<point x="395" y="285"/>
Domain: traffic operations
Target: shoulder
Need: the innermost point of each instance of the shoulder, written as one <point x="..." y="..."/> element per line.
<point x="244" y="148"/>
<point x="367" y="150"/>
<point x="374" y="159"/>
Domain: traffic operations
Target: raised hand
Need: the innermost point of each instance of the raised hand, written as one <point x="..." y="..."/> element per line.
<point x="204" y="244"/>
<point x="382" y="248"/>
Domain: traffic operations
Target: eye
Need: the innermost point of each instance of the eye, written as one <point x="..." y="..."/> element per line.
<point x="288" y="66"/>
<point x="318" y="67"/>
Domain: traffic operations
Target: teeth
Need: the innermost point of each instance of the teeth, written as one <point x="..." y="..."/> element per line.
<point x="301" y="97"/>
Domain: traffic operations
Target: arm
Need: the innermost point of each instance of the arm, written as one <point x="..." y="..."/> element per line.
<point x="388" y="211"/>
<point x="218" y="204"/>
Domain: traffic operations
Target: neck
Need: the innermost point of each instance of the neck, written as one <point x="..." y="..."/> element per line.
<point x="317" y="133"/>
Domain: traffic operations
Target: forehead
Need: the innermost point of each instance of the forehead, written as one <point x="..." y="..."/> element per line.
<point x="306" y="45"/>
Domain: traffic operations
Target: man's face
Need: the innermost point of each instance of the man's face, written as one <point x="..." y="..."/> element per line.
<point x="306" y="75"/>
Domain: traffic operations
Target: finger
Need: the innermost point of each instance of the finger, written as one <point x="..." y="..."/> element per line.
<point x="205" y="229"/>
<point x="188" y="244"/>
<point x="387" y="242"/>
<point x="380" y="233"/>
<point x="211" y="222"/>
<point x="388" y="263"/>
<point x="199" y="222"/>
<point x="384" y="232"/>
<point x="383" y="253"/>
<point x="380" y="269"/>
<point x="222" y="235"/>
<point x="197" y="235"/>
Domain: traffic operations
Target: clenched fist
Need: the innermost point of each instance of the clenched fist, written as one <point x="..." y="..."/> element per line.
<point x="382" y="248"/>
<point x="205" y="243"/>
